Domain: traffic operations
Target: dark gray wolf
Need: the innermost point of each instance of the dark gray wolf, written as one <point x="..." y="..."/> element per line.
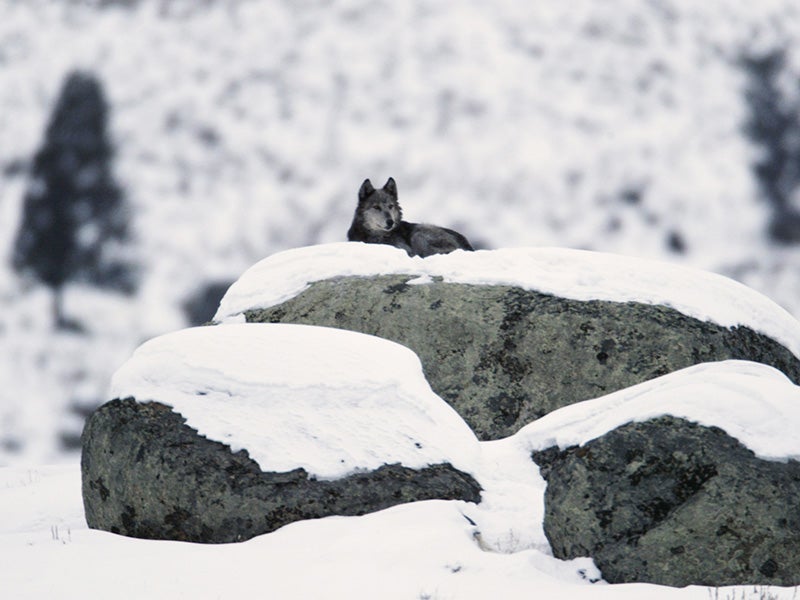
<point x="379" y="220"/>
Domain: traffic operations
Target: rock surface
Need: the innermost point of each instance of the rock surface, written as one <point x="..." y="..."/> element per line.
<point x="503" y="356"/>
<point x="147" y="474"/>
<point x="670" y="502"/>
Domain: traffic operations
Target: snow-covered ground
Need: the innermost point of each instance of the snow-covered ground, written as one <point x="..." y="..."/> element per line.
<point x="418" y="551"/>
<point x="432" y="549"/>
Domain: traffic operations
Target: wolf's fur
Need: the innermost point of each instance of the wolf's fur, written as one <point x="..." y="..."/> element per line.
<point x="379" y="220"/>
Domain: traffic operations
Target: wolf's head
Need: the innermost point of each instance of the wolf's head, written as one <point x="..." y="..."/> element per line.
<point x="379" y="209"/>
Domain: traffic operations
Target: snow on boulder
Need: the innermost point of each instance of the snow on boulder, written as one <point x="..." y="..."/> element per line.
<point x="218" y="434"/>
<point x="507" y="336"/>
<point x="689" y="479"/>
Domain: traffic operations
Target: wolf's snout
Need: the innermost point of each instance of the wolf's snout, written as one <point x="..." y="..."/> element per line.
<point x="389" y="223"/>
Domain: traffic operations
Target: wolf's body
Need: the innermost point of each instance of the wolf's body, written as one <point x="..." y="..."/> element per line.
<point x="379" y="220"/>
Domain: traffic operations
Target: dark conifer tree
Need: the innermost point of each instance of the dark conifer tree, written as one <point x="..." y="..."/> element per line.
<point x="773" y="125"/>
<point x="74" y="221"/>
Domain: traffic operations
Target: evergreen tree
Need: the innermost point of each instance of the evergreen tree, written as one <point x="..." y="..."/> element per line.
<point x="773" y="125"/>
<point x="74" y="220"/>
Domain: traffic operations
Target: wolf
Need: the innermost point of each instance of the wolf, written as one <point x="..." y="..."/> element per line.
<point x="379" y="220"/>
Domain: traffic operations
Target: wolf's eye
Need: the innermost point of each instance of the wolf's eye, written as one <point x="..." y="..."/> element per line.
<point x="376" y="208"/>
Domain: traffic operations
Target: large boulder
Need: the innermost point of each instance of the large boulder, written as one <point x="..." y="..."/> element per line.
<point x="671" y="502"/>
<point x="147" y="474"/>
<point x="504" y="356"/>
<point x="219" y="434"/>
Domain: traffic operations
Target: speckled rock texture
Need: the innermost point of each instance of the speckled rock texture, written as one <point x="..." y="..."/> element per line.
<point x="503" y="356"/>
<point x="670" y="502"/>
<point x="147" y="474"/>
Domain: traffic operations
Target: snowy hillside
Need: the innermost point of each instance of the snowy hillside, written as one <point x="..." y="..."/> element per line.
<point x="244" y="128"/>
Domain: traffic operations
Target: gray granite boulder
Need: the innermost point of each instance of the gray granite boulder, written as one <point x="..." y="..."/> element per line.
<point x="503" y="356"/>
<point x="670" y="502"/>
<point x="147" y="474"/>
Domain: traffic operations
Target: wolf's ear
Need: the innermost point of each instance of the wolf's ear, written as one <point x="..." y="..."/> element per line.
<point x="391" y="187"/>
<point x="366" y="189"/>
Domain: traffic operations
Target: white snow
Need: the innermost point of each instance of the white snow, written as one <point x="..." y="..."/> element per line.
<point x="244" y="128"/>
<point x="751" y="402"/>
<point x="334" y="402"/>
<point x="330" y="401"/>
<point x="432" y="549"/>
<point x="575" y="274"/>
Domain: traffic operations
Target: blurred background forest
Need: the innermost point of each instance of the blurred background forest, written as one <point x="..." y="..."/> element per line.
<point x="152" y="150"/>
